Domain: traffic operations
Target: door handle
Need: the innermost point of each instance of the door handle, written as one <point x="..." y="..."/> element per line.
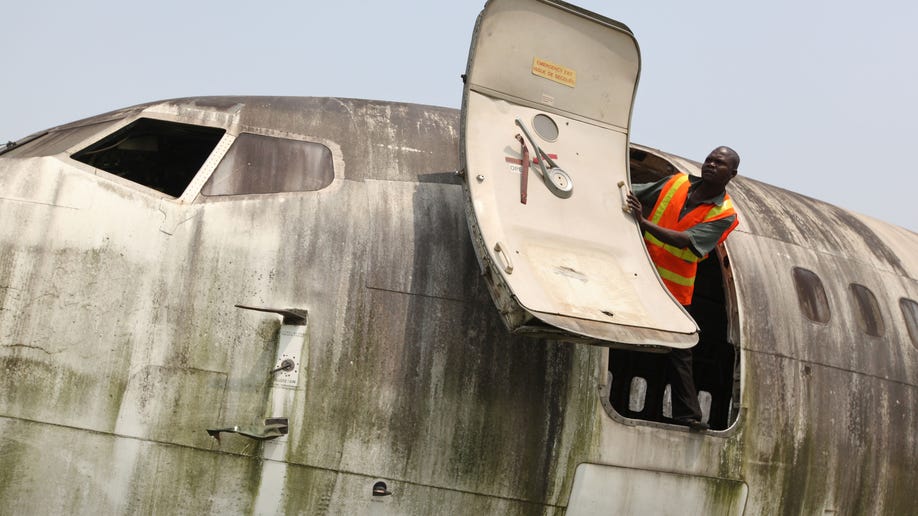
<point x="272" y="429"/>
<point x="508" y="265"/>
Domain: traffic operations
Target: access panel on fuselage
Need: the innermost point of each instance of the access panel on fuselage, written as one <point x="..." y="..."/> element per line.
<point x="562" y="254"/>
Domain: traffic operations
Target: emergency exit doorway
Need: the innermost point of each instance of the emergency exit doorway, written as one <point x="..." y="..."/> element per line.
<point x="639" y="387"/>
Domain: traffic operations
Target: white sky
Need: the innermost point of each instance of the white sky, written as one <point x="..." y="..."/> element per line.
<point x="818" y="96"/>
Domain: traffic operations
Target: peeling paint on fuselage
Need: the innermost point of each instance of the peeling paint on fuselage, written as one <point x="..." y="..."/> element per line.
<point x="120" y="344"/>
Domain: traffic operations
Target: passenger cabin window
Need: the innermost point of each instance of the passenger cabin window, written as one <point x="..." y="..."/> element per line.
<point x="910" y="312"/>
<point x="257" y="164"/>
<point x="811" y="295"/>
<point x="161" y="155"/>
<point x="866" y="310"/>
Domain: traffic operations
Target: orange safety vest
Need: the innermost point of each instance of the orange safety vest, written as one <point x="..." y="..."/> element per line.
<point x="677" y="267"/>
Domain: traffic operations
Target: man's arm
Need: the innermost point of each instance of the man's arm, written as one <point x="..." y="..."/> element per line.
<point x="680" y="239"/>
<point x="699" y="239"/>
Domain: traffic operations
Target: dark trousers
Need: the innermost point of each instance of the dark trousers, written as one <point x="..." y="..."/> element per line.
<point x="682" y="384"/>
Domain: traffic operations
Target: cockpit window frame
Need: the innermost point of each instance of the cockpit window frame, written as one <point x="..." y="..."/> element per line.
<point x="270" y="148"/>
<point x="11" y="145"/>
<point x="199" y="137"/>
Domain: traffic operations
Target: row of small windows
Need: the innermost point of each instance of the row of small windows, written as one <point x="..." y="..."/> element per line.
<point x="166" y="156"/>
<point x="866" y="311"/>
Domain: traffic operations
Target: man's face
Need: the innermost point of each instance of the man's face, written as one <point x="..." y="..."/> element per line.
<point x="719" y="167"/>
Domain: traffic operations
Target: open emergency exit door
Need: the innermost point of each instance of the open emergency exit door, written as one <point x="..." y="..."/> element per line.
<point x="545" y="121"/>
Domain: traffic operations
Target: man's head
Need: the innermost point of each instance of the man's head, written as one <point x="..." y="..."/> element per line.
<point x="720" y="166"/>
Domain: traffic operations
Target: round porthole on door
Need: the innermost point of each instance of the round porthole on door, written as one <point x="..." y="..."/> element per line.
<point x="545" y="127"/>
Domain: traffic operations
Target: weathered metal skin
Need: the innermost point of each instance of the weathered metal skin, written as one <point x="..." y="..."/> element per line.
<point x="120" y="343"/>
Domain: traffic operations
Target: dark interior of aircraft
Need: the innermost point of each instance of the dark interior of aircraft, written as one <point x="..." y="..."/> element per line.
<point x="639" y="385"/>
<point x="158" y="154"/>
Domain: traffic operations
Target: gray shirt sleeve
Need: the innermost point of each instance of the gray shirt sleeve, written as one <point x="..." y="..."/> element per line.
<point x="705" y="236"/>
<point x="648" y="192"/>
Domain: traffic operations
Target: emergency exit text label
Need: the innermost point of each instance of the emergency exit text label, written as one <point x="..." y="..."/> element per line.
<point x="554" y="72"/>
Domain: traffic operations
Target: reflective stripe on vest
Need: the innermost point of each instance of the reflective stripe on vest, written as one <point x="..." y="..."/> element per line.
<point x="678" y="266"/>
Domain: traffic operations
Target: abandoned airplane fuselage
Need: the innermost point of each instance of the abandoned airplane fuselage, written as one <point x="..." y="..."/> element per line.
<point x="293" y="319"/>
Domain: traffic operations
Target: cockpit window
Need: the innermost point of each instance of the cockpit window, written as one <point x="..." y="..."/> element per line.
<point x="158" y="154"/>
<point x="811" y="295"/>
<point x="55" y="141"/>
<point x="867" y="311"/>
<point x="258" y="164"/>
<point x="910" y="312"/>
<point x="9" y="146"/>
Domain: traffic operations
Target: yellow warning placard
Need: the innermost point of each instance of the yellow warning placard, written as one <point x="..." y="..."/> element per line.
<point x="554" y="72"/>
